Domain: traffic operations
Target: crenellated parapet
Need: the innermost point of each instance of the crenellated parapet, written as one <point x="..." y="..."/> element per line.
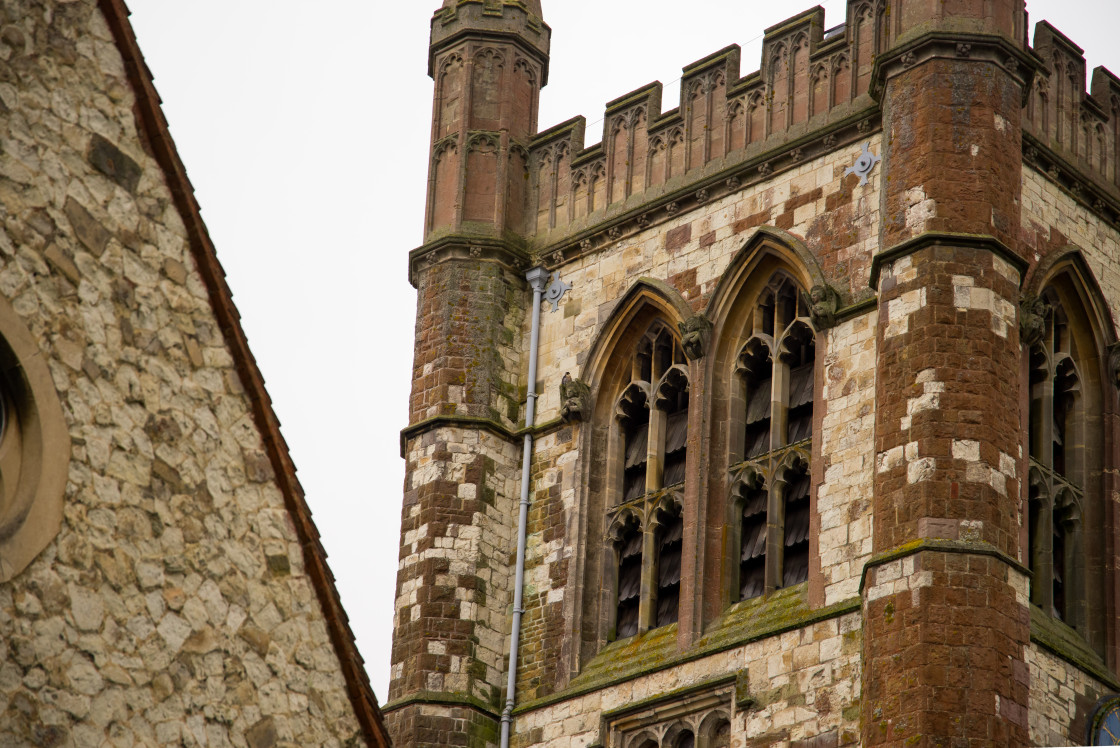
<point x="1071" y="134"/>
<point x="810" y="94"/>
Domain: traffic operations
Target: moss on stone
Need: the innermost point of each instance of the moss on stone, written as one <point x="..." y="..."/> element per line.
<point x="742" y="623"/>
<point x="1063" y="641"/>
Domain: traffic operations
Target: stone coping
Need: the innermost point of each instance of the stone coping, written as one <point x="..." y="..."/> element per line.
<point x="1062" y="641"/>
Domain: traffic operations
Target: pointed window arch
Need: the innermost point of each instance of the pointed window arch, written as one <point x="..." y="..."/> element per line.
<point x="1058" y="463"/>
<point x="772" y="428"/>
<point x="1066" y="514"/>
<point x="650" y="438"/>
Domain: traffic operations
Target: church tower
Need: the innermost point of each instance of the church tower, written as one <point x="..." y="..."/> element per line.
<point x="489" y="60"/>
<point x="829" y="432"/>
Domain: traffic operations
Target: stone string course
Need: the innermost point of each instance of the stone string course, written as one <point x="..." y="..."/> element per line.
<point x="173" y="608"/>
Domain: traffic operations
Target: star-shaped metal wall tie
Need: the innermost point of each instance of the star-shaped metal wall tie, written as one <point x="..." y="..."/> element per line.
<point x="556" y="291"/>
<point x="864" y="165"/>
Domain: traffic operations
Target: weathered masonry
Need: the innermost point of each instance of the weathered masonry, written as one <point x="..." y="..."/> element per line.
<point x="827" y="442"/>
<point x="161" y="580"/>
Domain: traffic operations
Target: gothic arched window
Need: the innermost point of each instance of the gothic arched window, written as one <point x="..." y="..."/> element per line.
<point x="773" y="421"/>
<point x="645" y="516"/>
<point x="1057" y="465"/>
<point x="1066" y="514"/>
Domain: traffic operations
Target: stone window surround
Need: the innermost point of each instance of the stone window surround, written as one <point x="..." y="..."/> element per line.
<point x="1063" y="298"/>
<point x="774" y="469"/>
<point x="658" y="504"/>
<point x="34" y="448"/>
<point x="707" y="712"/>
<point x="707" y="493"/>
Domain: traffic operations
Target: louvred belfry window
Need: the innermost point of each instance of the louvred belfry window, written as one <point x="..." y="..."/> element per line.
<point x="795" y="564"/>
<point x="629" y="579"/>
<point x="752" y="546"/>
<point x="771" y="476"/>
<point x="652" y="420"/>
<point x="670" y="545"/>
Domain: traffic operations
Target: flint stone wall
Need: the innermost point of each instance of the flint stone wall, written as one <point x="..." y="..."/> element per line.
<point x="172" y="608"/>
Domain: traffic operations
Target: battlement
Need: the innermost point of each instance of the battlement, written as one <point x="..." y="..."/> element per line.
<point x="1070" y="132"/>
<point x="807" y="81"/>
<point x="814" y="83"/>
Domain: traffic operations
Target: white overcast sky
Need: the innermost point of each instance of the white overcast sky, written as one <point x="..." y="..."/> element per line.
<point x="304" y="127"/>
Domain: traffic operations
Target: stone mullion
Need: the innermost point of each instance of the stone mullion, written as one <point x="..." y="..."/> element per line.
<point x="615" y="480"/>
<point x="612" y="558"/>
<point x="1074" y="581"/>
<point x="695" y="588"/>
<point x="1046" y="423"/>
<point x="733" y="559"/>
<point x="1042" y="544"/>
<point x="647" y="602"/>
<point x="775" y="534"/>
<point x="779" y="405"/>
<point x="1110" y="484"/>
<point x="1042" y="553"/>
<point x="655" y="448"/>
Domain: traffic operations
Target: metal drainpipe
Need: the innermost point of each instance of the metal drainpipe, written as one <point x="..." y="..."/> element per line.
<point x="537" y="278"/>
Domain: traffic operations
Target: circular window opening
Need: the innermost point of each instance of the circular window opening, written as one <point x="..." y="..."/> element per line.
<point x="34" y="448"/>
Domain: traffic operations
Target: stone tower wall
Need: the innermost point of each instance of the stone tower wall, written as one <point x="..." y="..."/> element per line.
<point x="995" y="162"/>
<point x="174" y="607"/>
<point x="454" y="583"/>
<point x="693" y="251"/>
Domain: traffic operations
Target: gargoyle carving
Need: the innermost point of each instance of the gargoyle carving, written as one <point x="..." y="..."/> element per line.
<point x="823" y="303"/>
<point x="1032" y="320"/>
<point x="695" y="332"/>
<point x="1114" y="363"/>
<point x="575" y="399"/>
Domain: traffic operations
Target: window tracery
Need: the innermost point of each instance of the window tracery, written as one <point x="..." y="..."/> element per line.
<point x="1057" y="466"/>
<point x="647" y="528"/>
<point x="701" y="719"/>
<point x="1067" y="519"/>
<point x="775" y="378"/>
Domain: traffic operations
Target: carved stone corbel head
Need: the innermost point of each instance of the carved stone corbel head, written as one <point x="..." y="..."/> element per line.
<point x="695" y="333"/>
<point x="575" y="399"/>
<point x="1114" y="364"/>
<point x="1033" y="311"/>
<point x="823" y="303"/>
